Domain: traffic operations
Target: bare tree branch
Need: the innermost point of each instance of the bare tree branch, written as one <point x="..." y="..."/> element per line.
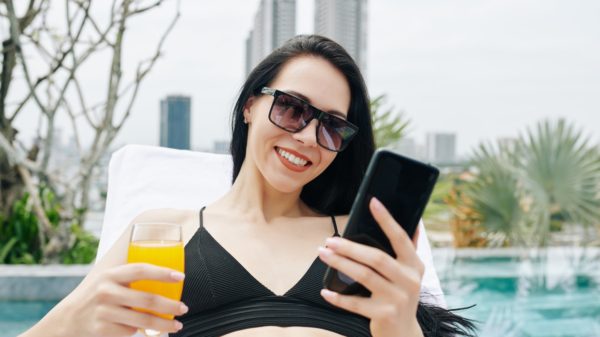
<point x="16" y="158"/>
<point x="97" y="29"/>
<point x="15" y="33"/>
<point x="73" y="119"/>
<point x="58" y="62"/>
<point x="143" y="9"/>
<point x="141" y="73"/>
<point x="115" y="68"/>
<point x="84" y="110"/>
<point x="64" y="51"/>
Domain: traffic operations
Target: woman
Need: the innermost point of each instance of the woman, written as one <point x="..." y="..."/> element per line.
<point x="302" y="139"/>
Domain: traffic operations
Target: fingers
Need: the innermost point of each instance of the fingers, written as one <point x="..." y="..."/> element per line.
<point x="98" y="328"/>
<point x="400" y="241"/>
<point x="359" y="272"/>
<point x="123" y="296"/>
<point x="131" y="272"/>
<point x="361" y="305"/>
<point x="374" y="258"/>
<point x="137" y="319"/>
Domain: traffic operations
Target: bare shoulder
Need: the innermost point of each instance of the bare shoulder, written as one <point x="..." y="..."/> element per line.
<point x="117" y="253"/>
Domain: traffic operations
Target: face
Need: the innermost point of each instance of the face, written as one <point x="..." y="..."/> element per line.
<point x="286" y="160"/>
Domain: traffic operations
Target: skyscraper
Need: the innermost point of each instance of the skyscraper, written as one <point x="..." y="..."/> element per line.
<point x="175" y="122"/>
<point x="344" y="21"/>
<point x="441" y="148"/>
<point x="274" y="23"/>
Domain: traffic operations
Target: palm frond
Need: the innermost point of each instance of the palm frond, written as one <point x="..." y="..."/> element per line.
<point x="389" y="126"/>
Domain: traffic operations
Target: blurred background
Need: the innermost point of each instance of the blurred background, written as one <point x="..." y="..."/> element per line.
<point x="502" y="96"/>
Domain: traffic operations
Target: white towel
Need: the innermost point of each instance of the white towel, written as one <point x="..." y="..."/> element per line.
<point x="147" y="177"/>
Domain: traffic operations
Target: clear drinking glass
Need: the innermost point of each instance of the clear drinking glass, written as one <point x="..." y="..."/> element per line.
<point x="159" y="244"/>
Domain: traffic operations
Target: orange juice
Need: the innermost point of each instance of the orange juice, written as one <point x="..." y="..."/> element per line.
<point x="168" y="254"/>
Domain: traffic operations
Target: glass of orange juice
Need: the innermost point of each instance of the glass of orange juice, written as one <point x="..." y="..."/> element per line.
<point x="159" y="244"/>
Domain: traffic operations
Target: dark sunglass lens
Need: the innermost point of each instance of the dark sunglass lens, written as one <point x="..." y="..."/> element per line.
<point x="334" y="133"/>
<point x="328" y="136"/>
<point x="289" y="112"/>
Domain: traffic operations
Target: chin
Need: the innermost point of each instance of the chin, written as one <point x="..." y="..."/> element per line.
<point x="285" y="185"/>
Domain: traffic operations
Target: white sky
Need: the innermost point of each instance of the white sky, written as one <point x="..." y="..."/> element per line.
<point x="481" y="69"/>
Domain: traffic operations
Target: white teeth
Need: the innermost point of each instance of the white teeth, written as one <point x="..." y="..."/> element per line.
<point x="291" y="158"/>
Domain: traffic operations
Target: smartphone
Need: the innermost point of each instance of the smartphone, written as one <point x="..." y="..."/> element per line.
<point x="404" y="186"/>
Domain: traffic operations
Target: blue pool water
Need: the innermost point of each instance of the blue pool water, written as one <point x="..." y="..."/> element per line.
<point x="550" y="293"/>
<point x="16" y="317"/>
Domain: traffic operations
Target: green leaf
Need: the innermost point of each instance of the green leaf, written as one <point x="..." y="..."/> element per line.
<point x="6" y="249"/>
<point x="388" y="126"/>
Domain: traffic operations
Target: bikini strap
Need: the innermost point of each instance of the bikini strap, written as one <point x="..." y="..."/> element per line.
<point x="201" y="210"/>
<point x="335" y="226"/>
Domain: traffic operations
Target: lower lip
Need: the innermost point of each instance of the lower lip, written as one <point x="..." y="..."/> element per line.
<point x="291" y="166"/>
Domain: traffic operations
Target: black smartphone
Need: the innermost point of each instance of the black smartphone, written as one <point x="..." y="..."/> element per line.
<point x="404" y="186"/>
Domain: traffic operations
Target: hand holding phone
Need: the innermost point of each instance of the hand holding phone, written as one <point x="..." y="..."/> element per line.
<point x="403" y="186"/>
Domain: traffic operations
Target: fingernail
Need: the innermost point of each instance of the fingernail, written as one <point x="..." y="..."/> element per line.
<point x="327" y="293"/>
<point x="178" y="325"/>
<point x="183" y="308"/>
<point x="332" y="242"/>
<point x="325" y="252"/>
<point x="376" y="203"/>
<point x="177" y="276"/>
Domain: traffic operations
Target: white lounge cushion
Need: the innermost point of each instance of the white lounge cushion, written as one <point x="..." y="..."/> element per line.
<point x="147" y="177"/>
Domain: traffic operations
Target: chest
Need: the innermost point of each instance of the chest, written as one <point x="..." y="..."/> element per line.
<point x="275" y="257"/>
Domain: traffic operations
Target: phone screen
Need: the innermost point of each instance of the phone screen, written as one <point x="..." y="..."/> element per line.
<point x="404" y="186"/>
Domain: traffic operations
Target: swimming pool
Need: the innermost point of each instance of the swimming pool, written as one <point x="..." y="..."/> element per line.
<point x="545" y="293"/>
<point x="17" y="316"/>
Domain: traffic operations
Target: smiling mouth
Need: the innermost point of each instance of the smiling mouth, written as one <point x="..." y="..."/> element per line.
<point x="292" y="159"/>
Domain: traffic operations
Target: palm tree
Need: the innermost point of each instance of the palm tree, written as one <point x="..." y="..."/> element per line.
<point x="550" y="172"/>
<point x="388" y="126"/>
<point x="563" y="166"/>
<point x="502" y="198"/>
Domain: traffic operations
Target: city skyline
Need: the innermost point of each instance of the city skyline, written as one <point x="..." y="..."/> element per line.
<point x="458" y="68"/>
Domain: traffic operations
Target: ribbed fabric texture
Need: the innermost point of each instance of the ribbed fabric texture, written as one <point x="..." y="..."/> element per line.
<point x="224" y="297"/>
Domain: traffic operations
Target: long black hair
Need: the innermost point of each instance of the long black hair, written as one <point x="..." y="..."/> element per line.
<point x="333" y="191"/>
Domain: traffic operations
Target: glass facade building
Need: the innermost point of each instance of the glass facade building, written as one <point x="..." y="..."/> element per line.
<point x="175" y="122"/>
<point x="274" y="23"/>
<point x="345" y="22"/>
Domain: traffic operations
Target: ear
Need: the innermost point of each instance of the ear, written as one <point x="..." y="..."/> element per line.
<point x="247" y="106"/>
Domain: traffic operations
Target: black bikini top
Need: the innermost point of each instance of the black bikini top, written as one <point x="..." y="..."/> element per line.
<point x="224" y="297"/>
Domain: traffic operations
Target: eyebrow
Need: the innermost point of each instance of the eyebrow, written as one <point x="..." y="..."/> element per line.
<point x="299" y="95"/>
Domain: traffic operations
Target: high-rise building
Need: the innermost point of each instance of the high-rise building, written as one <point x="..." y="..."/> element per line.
<point x="175" y="122"/>
<point x="274" y="23"/>
<point x="441" y="148"/>
<point x="344" y="21"/>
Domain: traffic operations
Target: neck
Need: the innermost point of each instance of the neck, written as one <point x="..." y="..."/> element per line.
<point x="252" y="197"/>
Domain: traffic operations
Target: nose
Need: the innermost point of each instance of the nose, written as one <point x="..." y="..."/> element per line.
<point x="308" y="135"/>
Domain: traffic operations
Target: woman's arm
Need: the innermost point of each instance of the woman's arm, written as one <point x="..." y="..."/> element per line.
<point x="101" y="304"/>
<point x="395" y="284"/>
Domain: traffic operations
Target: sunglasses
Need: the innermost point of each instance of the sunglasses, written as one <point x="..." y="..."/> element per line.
<point x="293" y="114"/>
